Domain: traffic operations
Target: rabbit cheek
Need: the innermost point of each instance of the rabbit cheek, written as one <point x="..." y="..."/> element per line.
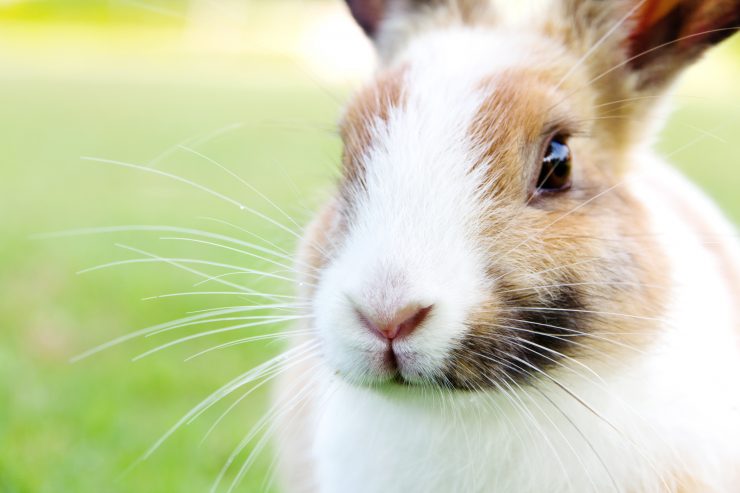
<point x="529" y="335"/>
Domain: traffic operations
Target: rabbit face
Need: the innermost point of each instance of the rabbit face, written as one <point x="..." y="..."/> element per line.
<point x="485" y="227"/>
<point x="481" y="207"/>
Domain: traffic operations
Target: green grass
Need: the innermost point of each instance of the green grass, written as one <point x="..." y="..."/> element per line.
<point x="76" y="427"/>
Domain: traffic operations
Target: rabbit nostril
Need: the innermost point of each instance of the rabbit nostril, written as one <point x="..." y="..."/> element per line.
<point x="402" y="323"/>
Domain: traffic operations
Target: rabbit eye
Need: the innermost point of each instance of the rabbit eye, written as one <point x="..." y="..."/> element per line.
<point x="556" y="166"/>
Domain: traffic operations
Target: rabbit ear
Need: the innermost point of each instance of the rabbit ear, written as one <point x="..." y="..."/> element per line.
<point x="667" y="35"/>
<point x="390" y="23"/>
<point x="654" y="39"/>
<point x="368" y="13"/>
<point x="374" y="15"/>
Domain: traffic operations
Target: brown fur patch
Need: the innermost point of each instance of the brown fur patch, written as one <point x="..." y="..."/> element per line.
<point x="371" y="106"/>
<point x="574" y="275"/>
<point x="516" y="116"/>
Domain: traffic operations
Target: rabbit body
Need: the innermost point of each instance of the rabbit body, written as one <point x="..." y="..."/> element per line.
<point x="584" y="338"/>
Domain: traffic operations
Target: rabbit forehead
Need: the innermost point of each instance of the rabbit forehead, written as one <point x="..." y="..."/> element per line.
<point x="483" y="93"/>
<point x="466" y="55"/>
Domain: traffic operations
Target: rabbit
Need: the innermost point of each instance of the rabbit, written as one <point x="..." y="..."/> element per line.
<point x="509" y="290"/>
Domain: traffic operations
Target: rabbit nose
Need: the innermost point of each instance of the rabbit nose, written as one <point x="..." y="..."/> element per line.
<point x="400" y="323"/>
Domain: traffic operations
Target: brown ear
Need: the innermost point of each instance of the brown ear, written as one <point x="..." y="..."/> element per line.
<point x="368" y="13"/>
<point x="667" y="35"/>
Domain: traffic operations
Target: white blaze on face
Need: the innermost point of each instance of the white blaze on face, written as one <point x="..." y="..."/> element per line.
<point x="414" y="235"/>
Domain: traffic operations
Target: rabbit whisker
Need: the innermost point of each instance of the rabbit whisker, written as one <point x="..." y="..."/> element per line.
<point x="515" y="400"/>
<point x="590" y="409"/>
<point x="237" y="250"/>
<point x="198" y="186"/>
<point x="223" y="391"/>
<point x="275" y="306"/>
<point x="192" y="261"/>
<point x="220" y="293"/>
<point x="270" y="417"/>
<point x="243" y="182"/>
<point x="269" y="376"/>
<point x="194" y="140"/>
<point x="221" y="330"/>
<point x="273" y="336"/>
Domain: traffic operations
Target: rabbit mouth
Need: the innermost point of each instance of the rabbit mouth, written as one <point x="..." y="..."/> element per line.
<point x="527" y="338"/>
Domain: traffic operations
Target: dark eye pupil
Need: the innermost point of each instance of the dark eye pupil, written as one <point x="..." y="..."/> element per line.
<point x="555" y="171"/>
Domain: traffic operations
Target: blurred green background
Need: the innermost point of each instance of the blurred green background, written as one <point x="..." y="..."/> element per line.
<point x="255" y="86"/>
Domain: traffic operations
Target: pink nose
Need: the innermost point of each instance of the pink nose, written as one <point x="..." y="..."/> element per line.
<point x="402" y="323"/>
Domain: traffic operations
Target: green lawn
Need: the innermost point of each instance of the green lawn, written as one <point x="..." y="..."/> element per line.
<point x="76" y="427"/>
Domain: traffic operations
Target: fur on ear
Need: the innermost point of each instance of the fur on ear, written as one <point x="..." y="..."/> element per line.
<point x="368" y="14"/>
<point x="390" y="23"/>
<point x="667" y="35"/>
<point x="654" y="39"/>
<point x="633" y="50"/>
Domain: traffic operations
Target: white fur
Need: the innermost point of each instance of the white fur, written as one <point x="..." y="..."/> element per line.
<point x="672" y="408"/>
<point x="420" y="166"/>
<point x="676" y="407"/>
